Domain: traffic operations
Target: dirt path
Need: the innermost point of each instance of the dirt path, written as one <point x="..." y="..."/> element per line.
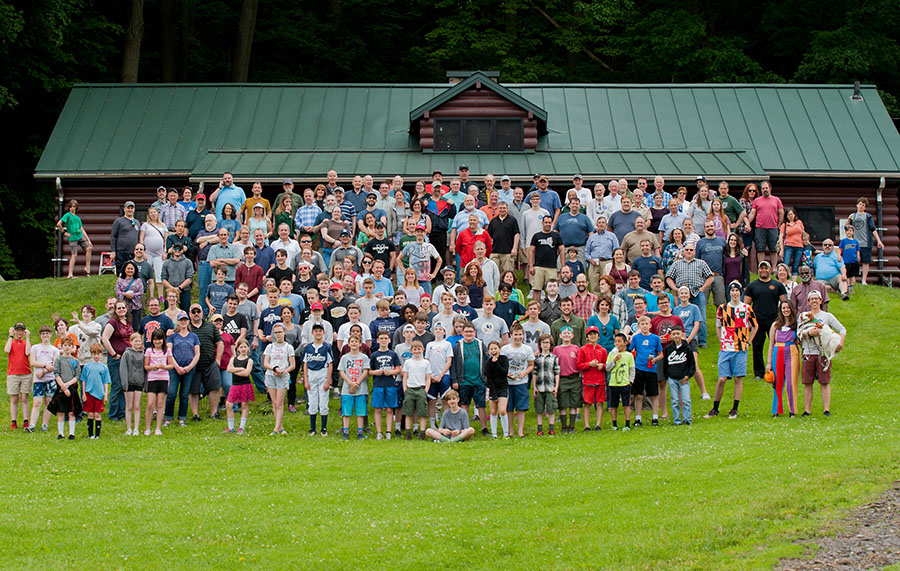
<point x="872" y="539"/>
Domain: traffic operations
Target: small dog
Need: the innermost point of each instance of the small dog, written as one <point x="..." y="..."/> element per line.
<point x="827" y="340"/>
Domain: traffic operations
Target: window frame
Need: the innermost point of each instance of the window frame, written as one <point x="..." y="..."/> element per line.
<point x="493" y="147"/>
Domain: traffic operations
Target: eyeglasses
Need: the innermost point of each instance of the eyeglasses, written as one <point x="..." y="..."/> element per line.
<point x="366" y="262"/>
<point x="196" y="310"/>
<point x="828" y="245"/>
<point x="306" y="241"/>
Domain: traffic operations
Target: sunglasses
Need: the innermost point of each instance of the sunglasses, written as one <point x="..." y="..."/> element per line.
<point x="196" y="311"/>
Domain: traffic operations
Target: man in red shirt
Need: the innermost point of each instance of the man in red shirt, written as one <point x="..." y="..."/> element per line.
<point x="465" y="241"/>
<point x="18" y="372"/>
<point x="250" y="273"/>
<point x="769" y="214"/>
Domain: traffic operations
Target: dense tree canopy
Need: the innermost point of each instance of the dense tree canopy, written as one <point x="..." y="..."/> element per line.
<point x="47" y="45"/>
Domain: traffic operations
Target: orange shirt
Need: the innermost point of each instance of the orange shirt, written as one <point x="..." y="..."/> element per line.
<point x="18" y="361"/>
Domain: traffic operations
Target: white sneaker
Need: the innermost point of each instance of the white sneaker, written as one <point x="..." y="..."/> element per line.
<point x="128" y="432"/>
<point x="135" y="432"/>
<point x="158" y="432"/>
<point x="146" y="433"/>
<point x="705" y="396"/>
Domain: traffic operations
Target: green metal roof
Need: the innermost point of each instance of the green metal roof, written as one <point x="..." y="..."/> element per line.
<point x="302" y="130"/>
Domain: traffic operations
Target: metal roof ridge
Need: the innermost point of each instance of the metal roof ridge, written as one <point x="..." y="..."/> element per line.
<point x="502" y="83"/>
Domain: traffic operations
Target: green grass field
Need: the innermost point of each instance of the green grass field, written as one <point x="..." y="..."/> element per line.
<point x="719" y="494"/>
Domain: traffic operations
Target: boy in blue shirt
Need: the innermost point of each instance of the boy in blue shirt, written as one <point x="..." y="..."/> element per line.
<point x="218" y="292"/>
<point x="849" y="249"/>
<point x="462" y="304"/>
<point x="385" y="366"/>
<point x="573" y="262"/>
<point x="507" y="309"/>
<point x="384" y="322"/>
<point x="647" y="349"/>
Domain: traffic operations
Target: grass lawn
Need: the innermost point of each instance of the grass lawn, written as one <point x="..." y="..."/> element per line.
<point x="719" y="494"/>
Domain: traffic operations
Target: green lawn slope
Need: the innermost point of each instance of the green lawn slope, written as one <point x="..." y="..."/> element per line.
<point x="720" y="494"/>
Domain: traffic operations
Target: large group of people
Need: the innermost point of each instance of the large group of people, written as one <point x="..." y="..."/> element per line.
<point x="407" y="302"/>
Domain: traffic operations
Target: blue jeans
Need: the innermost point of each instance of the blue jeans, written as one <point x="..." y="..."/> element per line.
<point x="681" y="401"/>
<point x="204" y="278"/>
<point x="426" y="286"/>
<point x="326" y="255"/>
<point x="259" y="378"/>
<point x="700" y="301"/>
<point x="792" y="256"/>
<point x="116" y="394"/>
<point x="226" y="382"/>
<point x="179" y="386"/>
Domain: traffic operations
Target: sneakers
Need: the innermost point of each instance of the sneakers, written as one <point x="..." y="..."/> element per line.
<point x="624" y="428"/>
<point x="312" y="433"/>
<point x="25" y="424"/>
<point x="540" y="433"/>
<point x="845" y="297"/>
<point x="29" y="430"/>
<point x="596" y="428"/>
<point x="362" y="435"/>
<point x="687" y="422"/>
<point x="60" y="437"/>
<point x="216" y="416"/>
<point x="146" y="433"/>
<point x="229" y="431"/>
<point x="654" y="422"/>
<point x="379" y="436"/>
<point x="711" y="413"/>
<point x="484" y="432"/>
<point x="182" y="424"/>
<point x="13" y="425"/>
<point x="72" y="437"/>
<point x="826" y="413"/>
<point x="167" y="423"/>
<point x="195" y="418"/>
<point x="241" y="430"/>
<point x="422" y="435"/>
<point x="705" y="396"/>
<point x="282" y="432"/>
<point x="292" y="408"/>
<point x="615" y="428"/>
<point x="324" y="432"/>
<point x="805" y="414"/>
<point x="732" y="414"/>
<point x="637" y="424"/>
<point x="128" y="432"/>
<point x="551" y="433"/>
<point x="345" y="436"/>
<point x="158" y="432"/>
<point x="387" y="435"/>
<point x="587" y="429"/>
<point x="44" y="428"/>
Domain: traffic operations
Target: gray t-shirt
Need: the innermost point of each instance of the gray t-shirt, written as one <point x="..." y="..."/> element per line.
<point x="489" y="328"/>
<point x="176" y="271"/>
<point x="458" y="420"/>
<point x="353" y="366"/>
<point x="218" y="251"/>
<point x="533" y="332"/>
<point x="249" y="310"/>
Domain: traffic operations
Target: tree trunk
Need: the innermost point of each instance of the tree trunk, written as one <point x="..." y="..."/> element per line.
<point x="240" y="69"/>
<point x="185" y="37"/>
<point x="134" y="32"/>
<point x="168" y="35"/>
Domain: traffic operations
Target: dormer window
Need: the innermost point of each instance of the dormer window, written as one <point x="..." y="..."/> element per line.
<point x="476" y="134"/>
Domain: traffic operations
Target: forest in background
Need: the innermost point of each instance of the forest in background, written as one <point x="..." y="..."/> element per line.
<point x="46" y="46"/>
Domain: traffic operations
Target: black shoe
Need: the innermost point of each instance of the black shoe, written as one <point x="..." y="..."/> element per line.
<point x="196" y="418"/>
<point x="71" y="437"/>
<point x="805" y="414"/>
<point x="654" y="422"/>
<point x="637" y="424"/>
<point x="60" y="437"/>
<point x="596" y="428"/>
<point x="587" y="429"/>
<point x="216" y="416"/>
<point x="485" y="432"/>
<point x="826" y="413"/>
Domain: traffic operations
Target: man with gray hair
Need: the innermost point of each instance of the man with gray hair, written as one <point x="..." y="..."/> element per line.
<point x="598" y="250"/>
<point x="612" y="201"/>
<point x="504" y="232"/>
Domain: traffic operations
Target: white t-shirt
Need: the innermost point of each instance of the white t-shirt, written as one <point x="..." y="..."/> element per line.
<point x="437" y="353"/>
<point x="418" y="370"/>
<point x="344" y="332"/>
<point x="44" y="354"/>
<point x="518" y="361"/>
<point x="278" y="355"/>
<point x="367" y="310"/>
<point x="533" y="332"/>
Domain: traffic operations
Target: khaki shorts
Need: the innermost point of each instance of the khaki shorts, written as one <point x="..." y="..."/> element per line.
<point x="540" y="277"/>
<point x="19" y="384"/>
<point x="506" y="262"/>
<point x="80" y="245"/>
<point x="545" y="403"/>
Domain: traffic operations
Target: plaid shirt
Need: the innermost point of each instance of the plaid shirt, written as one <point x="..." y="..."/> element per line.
<point x="306" y="215"/>
<point x="583" y="307"/>
<point x="691" y="274"/>
<point x="546" y="367"/>
<point x="169" y="215"/>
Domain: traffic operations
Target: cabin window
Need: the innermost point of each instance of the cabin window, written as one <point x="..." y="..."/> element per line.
<point x="819" y="221"/>
<point x="479" y="135"/>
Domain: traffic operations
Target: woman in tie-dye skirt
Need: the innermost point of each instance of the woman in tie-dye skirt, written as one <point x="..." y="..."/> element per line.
<point x="784" y="359"/>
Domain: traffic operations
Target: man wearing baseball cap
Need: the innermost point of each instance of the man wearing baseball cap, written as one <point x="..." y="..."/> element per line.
<point x="124" y="235"/>
<point x="196" y="218"/>
<point x="764" y="295"/>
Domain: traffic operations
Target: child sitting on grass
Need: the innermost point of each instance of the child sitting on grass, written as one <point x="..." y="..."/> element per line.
<point x="619" y="372"/>
<point x="454" y="422"/>
<point x="546" y="384"/>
